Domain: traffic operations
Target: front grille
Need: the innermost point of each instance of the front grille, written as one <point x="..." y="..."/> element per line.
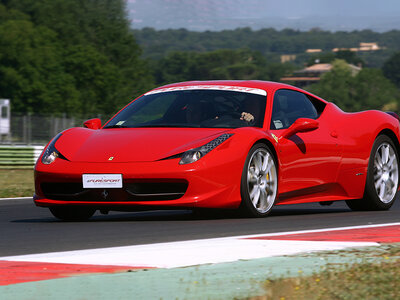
<point x="55" y="189"/>
<point x="156" y="188"/>
<point x="131" y="191"/>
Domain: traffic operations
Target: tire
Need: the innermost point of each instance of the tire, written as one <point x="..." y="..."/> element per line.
<point x="72" y="213"/>
<point x="259" y="183"/>
<point x="382" y="177"/>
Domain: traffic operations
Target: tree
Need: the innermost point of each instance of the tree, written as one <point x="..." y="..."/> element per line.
<point x="337" y="86"/>
<point x="87" y="46"/>
<point x="328" y="57"/>
<point x="230" y="64"/>
<point x="157" y="44"/>
<point x="391" y="69"/>
<point x="31" y="70"/>
<point x="220" y="64"/>
<point x="368" y="89"/>
<point x="174" y="67"/>
<point x="95" y="77"/>
<point x="323" y="58"/>
<point x="374" y="91"/>
<point x="350" y="57"/>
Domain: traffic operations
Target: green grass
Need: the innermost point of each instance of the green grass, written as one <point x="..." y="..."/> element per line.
<point x="378" y="280"/>
<point x="16" y="183"/>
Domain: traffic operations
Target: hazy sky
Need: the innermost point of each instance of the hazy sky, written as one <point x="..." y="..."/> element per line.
<point x="290" y="8"/>
<point x="219" y="14"/>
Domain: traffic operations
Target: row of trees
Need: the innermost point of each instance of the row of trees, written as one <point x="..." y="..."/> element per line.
<point x="80" y="57"/>
<point x="371" y="88"/>
<point x="270" y="42"/>
<point x="69" y="56"/>
<point x="219" y="64"/>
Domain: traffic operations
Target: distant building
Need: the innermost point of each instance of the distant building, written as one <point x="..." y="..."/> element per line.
<point x="313" y="50"/>
<point x="287" y="58"/>
<point x="369" y="47"/>
<point x="312" y="74"/>
<point x="4" y="117"/>
<point x="315" y="70"/>
<point x="363" y="47"/>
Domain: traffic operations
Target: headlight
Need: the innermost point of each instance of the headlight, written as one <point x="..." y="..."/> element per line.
<point x="51" y="153"/>
<point x="193" y="155"/>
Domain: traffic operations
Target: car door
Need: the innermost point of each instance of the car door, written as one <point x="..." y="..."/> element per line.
<point x="308" y="161"/>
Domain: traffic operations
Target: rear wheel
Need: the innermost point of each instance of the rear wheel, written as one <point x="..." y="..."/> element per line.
<point x="259" y="183"/>
<point x="72" y="213"/>
<point x="382" y="177"/>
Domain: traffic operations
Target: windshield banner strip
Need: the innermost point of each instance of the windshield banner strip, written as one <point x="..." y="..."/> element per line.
<point x="210" y="87"/>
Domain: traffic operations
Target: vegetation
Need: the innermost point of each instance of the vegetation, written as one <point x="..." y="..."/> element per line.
<point x="178" y="55"/>
<point x="219" y="64"/>
<point x="360" y="281"/>
<point x="270" y="42"/>
<point x="71" y="57"/>
<point x="368" y="89"/>
<point x="328" y="57"/>
<point x="81" y="58"/>
<point x="391" y="68"/>
<point x="16" y="183"/>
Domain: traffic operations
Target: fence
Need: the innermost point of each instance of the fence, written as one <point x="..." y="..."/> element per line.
<point x="19" y="157"/>
<point x="37" y="129"/>
<point x="20" y="148"/>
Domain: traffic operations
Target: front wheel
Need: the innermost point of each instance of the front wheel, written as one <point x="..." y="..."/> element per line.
<point x="382" y="177"/>
<point x="259" y="183"/>
<point x="72" y="213"/>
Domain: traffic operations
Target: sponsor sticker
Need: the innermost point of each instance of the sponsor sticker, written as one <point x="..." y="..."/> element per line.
<point x="210" y="87"/>
<point x="93" y="181"/>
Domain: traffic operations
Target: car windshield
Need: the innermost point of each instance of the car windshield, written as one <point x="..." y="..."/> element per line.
<point x="206" y="108"/>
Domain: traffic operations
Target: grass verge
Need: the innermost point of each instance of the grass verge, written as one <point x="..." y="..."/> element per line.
<point x="366" y="280"/>
<point x="16" y="183"/>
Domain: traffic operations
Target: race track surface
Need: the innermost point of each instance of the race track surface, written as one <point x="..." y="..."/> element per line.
<point x="27" y="229"/>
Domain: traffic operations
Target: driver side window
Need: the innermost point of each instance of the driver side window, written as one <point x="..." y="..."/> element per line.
<point x="290" y="105"/>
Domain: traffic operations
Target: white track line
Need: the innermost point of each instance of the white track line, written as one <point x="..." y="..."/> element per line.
<point x="196" y="252"/>
<point x="18" y="198"/>
<point x="320" y="230"/>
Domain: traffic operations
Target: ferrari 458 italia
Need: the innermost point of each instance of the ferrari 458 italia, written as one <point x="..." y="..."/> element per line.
<point x="246" y="145"/>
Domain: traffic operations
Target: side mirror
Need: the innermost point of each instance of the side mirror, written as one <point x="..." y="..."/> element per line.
<point x="92" y="123"/>
<point x="301" y="125"/>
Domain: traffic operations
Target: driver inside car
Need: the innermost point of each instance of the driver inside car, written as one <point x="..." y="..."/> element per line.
<point x="250" y="111"/>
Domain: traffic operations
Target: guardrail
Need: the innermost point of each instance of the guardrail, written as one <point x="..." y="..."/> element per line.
<point x="19" y="157"/>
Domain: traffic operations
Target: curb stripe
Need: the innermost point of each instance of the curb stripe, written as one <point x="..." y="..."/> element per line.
<point x="12" y="272"/>
<point x="44" y="266"/>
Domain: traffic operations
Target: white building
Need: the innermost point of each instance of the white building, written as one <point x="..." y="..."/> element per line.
<point x="4" y="117"/>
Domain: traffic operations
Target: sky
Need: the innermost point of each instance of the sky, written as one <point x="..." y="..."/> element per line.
<point x="217" y="15"/>
<point x="289" y="8"/>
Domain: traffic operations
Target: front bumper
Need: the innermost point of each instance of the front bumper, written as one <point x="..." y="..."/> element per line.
<point x="207" y="183"/>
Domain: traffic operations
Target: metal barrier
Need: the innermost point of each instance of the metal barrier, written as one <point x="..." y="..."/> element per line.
<point x="19" y="157"/>
<point x="37" y="129"/>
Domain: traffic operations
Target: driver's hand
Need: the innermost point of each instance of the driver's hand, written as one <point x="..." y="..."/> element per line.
<point x="248" y="117"/>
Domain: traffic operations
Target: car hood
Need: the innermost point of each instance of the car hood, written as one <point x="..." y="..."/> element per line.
<point x="131" y="144"/>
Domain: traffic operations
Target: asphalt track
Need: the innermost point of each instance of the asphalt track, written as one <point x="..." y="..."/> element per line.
<point x="27" y="229"/>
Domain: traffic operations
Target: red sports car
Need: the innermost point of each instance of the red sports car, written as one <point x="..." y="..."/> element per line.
<point x="245" y="145"/>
